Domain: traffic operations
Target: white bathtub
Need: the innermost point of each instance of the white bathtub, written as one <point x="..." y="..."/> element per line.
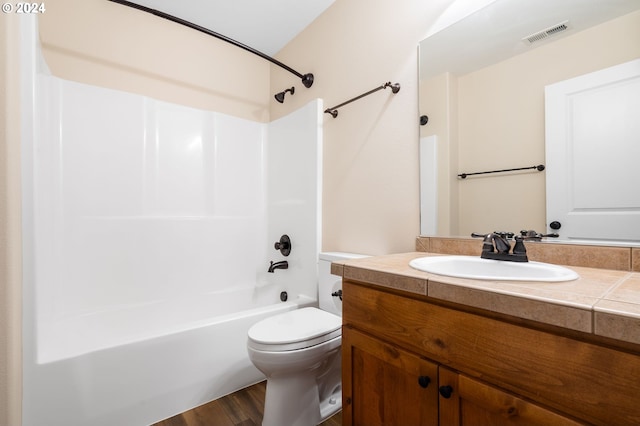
<point x="139" y="365"/>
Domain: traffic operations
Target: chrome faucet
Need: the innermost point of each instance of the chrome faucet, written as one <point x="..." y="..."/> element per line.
<point x="278" y="265"/>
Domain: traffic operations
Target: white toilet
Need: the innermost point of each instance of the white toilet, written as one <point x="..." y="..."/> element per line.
<point x="299" y="353"/>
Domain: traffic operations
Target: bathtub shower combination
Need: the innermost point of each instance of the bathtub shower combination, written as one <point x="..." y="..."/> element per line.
<point x="149" y="228"/>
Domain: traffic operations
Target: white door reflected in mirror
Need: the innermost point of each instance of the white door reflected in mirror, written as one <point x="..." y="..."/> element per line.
<point x="592" y="150"/>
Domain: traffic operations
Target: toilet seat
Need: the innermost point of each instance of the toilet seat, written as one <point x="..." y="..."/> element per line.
<point x="293" y="330"/>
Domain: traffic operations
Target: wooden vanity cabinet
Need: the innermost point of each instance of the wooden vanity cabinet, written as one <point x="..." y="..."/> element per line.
<point x="386" y="385"/>
<point x="408" y="361"/>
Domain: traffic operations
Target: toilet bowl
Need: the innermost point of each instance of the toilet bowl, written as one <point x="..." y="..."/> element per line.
<point x="299" y="353"/>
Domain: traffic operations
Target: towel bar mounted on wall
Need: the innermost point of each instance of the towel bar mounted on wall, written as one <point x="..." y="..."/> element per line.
<point x="307" y="79"/>
<point x="539" y="167"/>
<point x="395" y="88"/>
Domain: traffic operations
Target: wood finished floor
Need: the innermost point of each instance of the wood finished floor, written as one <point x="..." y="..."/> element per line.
<point x="242" y="408"/>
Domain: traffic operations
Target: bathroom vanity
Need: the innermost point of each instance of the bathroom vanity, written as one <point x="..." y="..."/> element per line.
<point x="425" y="349"/>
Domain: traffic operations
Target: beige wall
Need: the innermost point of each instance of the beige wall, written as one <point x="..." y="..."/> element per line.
<point x="501" y="123"/>
<point x="10" y="243"/>
<point x="106" y="44"/>
<point x="370" y="194"/>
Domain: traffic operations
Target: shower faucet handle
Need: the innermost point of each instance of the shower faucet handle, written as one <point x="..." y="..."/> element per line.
<point x="284" y="245"/>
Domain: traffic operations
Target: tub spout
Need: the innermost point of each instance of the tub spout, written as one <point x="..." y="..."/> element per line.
<point x="278" y="265"/>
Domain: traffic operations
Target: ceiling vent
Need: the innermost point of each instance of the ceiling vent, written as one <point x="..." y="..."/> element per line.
<point x="546" y="33"/>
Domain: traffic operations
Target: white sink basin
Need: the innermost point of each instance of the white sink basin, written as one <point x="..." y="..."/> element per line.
<point x="487" y="269"/>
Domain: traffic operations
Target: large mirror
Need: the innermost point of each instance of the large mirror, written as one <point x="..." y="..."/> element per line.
<point x="482" y="87"/>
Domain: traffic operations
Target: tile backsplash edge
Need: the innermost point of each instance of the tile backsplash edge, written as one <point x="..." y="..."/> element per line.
<point x="591" y="256"/>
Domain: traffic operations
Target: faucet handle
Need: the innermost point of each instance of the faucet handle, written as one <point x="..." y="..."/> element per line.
<point x="519" y="248"/>
<point x="536" y="236"/>
<point x="284" y="245"/>
<point x="476" y="235"/>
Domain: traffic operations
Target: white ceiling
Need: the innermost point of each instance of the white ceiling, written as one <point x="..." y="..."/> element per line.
<point x="485" y="36"/>
<point x="494" y="33"/>
<point x="264" y="25"/>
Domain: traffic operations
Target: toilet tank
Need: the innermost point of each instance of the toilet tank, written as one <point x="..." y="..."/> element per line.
<point x="329" y="283"/>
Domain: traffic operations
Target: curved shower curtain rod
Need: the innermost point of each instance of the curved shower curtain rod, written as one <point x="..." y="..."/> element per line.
<point x="307" y="79"/>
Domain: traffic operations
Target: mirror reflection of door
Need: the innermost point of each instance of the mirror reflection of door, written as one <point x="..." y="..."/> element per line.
<point x="593" y="154"/>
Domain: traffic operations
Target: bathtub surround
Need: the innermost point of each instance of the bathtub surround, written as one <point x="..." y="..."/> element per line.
<point x="149" y="227"/>
<point x="137" y="201"/>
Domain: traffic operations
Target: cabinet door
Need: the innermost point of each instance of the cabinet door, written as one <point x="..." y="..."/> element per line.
<point x="468" y="402"/>
<point x="384" y="385"/>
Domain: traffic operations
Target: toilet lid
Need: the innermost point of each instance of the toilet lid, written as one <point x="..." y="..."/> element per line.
<point x="300" y="325"/>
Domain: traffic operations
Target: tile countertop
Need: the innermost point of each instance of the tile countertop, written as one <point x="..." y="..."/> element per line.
<point x="603" y="302"/>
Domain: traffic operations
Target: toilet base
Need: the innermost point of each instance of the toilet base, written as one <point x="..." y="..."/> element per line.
<point x="330" y="388"/>
<point x="305" y="398"/>
<point x="301" y="396"/>
<point x="330" y="405"/>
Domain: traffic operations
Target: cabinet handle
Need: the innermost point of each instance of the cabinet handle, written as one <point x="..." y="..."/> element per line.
<point x="424" y="381"/>
<point x="446" y="391"/>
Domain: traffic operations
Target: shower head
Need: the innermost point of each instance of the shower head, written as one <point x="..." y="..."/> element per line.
<point x="280" y="96"/>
